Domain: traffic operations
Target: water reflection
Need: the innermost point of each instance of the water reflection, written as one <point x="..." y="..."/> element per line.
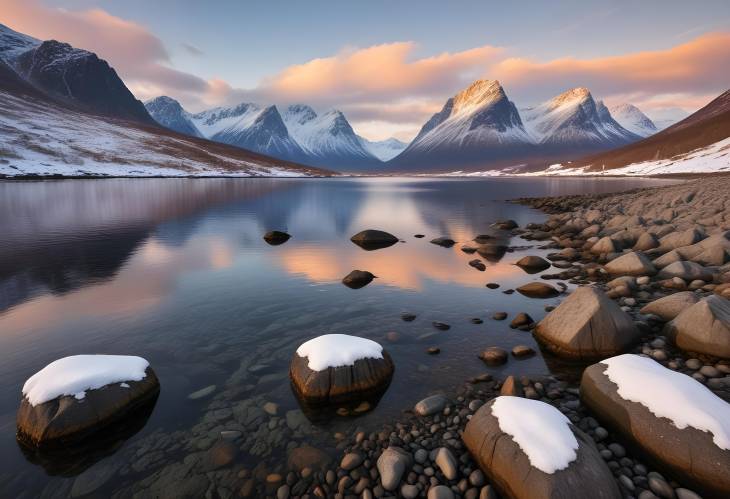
<point x="177" y="271"/>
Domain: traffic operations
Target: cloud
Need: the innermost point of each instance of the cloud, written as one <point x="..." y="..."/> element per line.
<point x="192" y="49"/>
<point x="138" y="55"/>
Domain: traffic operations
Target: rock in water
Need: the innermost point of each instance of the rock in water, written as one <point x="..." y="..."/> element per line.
<point x="532" y="264"/>
<point x="337" y="368"/>
<point x="632" y="264"/>
<point x="703" y="327"/>
<point x="443" y="241"/>
<point x="373" y="239"/>
<point x="275" y="237"/>
<point x="587" y="325"/>
<point x="358" y="279"/>
<point x="659" y="411"/>
<point x="75" y="396"/>
<point x="538" y="290"/>
<point x="494" y="356"/>
<point x="506" y="224"/>
<point x="671" y="306"/>
<point x="560" y="461"/>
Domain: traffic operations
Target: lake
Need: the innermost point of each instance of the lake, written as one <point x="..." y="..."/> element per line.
<point x="176" y="271"/>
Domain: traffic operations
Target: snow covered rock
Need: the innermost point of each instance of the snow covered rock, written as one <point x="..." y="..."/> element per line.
<point x="373" y="239"/>
<point x="529" y="449"/>
<point x="703" y="328"/>
<point x="77" y="395"/>
<point x="337" y="368"/>
<point x="587" y="325"/>
<point x="678" y="422"/>
<point x="670" y="306"/>
<point x="632" y="263"/>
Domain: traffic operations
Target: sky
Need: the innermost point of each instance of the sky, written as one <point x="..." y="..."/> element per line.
<point x="389" y="65"/>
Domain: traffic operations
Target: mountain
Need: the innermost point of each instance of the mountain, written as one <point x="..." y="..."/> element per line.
<point x="251" y="127"/>
<point x="573" y="122"/>
<point x="12" y="44"/>
<point x="92" y="125"/>
<point x="169" y="113"/>
<point x="705" y="129"/>
<point x="80" y="78"/>
<point x="327" y="139"/>
<point x="384" y="150"/>
<point x="632" y="119"/>
<point x="478" y="127"/>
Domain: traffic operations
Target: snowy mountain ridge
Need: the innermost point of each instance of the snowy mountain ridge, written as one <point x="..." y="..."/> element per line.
<point x="632" y="119"/>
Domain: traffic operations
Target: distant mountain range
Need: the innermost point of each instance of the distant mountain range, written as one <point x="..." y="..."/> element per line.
<point x="296" y="134"/>
<point x="64" y="111"/>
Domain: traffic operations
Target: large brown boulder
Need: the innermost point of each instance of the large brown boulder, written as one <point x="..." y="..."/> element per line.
<point x="538" y="290"/>
<point x="532" y="264"/>
<point x="587" y="325"/>
<point x="703" y="328"/>
<point x="689" y="271"/>
<point x="521" y="476"/>
<point x="669" y="307"/>
<point x="372" y="239"/>
<point x="633" y="263"/>
<point x="69" y="415"/>
<point x="337" y="368"/>
<point x="688" y="453"/>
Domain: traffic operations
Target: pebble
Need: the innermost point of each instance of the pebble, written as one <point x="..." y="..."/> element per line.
<point x="431" y="405"/>
<point x="447" y="463"/>
<point x="202" y="393"/>
<point x="440" y="492"/>
<point x="351" y="461"/>
<point x="499" y="316"/>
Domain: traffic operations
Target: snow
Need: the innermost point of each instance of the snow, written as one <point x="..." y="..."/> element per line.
<point x="384" y="150"/>
<point x="76" y="374"/>
<point x="668" y="394"/>
<point x="632" y="119"/>
<point x="12" y="43"/>
<point x="42" y="139"/>
<point x="334" y="350"/>
<point x="710" y="159"/>
<point x="542" y="431"/>
<point x="226" y="119"/>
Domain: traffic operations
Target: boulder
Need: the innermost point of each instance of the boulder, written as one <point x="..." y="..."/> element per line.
<point x="604" y="245"/>
<point x="669" y="307"/>
<point x="506" y="224"/>
<point x="358" y="279"/>
<point x="703" y="327"/>
<point x="631" y="264"/>
<point x="443" y="241"/>
<point x="587" y="325"/>
<point x="563" y="463"/>
<point x="646" y="242"/>
<point x="690" y="454"/>
<point x="373" y="239"/>
<point x="76" y="396"/>
<point x="689" y="271"/>
<point x="538" y="290"/>
<point x="668" y="258"/>
<point x="275" y="237"/>
<point x="338" y="368"/>
<point x="678" y="239"/>
<point x="532" y="264"/>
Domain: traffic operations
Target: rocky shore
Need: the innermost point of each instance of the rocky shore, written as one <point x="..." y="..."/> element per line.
<point x="657" y="258"/>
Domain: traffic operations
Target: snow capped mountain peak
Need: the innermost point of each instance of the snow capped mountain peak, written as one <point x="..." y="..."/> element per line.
<point x="631" y="118"/>
<point x="169" y="113"/>
<point x="300" y="113"/>
<point x="478" y="95"/>
<point x="13" y="43"/>
<point x="385" y="150"/>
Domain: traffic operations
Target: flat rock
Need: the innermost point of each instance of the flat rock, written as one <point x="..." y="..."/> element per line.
<point x="538" y="290"/>
<point x="669" y="307"/>
<point x="631" y="264"/>
<point x="509" y="469"/>
<point x="687" y="453"/>
<point x="374" y="239"/>
<point x="587" y="325"/>
<point x="703" y="327"/>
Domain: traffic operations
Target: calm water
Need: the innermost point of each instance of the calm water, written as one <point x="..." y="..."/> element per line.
<point x="176" y="271"/>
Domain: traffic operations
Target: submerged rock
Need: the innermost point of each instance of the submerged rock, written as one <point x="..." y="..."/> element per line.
<point x="581" y="471"/>
<point x="358" y="279"/>
<point x="374" y="239"/>
<point x="587" y="325"/>
<point x="275" y="237"/>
